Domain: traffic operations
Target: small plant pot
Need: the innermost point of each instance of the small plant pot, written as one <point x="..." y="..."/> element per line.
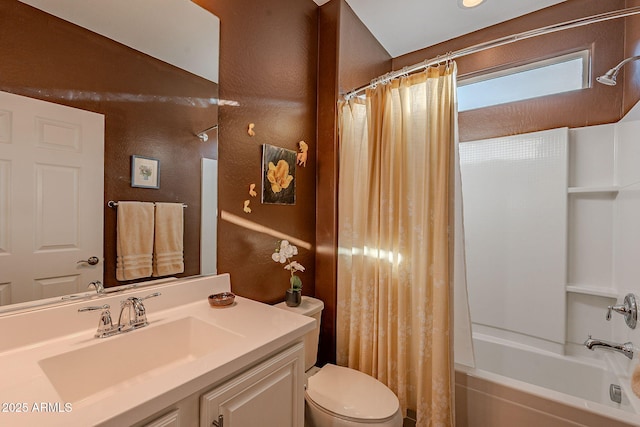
<point x="293" y="297"/>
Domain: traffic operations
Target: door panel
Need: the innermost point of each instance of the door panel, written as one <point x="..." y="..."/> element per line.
<point x="51" y="196"/>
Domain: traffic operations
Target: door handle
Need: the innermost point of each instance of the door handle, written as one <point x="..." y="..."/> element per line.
<point x="91" y="261"/>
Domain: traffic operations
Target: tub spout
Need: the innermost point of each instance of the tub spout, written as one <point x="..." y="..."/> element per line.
<point x="626" y="348"/>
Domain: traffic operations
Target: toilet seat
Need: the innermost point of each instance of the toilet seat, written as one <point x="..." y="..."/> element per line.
<point x="351" y="394"/>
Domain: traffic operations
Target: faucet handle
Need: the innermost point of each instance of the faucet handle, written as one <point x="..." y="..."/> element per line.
<point x="155" y="294"/>
<point x="620" y="308"/>
<point x="139" y="308"/>
<point x="95" y="307"/>
<point x="98" y="285"/>
<point x="609" y="309"/>
<point x="628" y="309"/>
<point x="138" y="300"/>
<point x="105" y="325"/>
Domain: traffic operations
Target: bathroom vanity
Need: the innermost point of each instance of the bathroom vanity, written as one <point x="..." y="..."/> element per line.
<point x="192" y="365"/>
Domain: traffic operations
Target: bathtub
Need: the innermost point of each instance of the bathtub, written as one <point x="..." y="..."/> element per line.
<point x="518" y="385"/>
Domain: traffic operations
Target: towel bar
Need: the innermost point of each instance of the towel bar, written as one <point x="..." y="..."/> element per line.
<point x="113" y="204"/>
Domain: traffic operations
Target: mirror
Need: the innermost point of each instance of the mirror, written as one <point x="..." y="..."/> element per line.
<point x="152" y="103"/>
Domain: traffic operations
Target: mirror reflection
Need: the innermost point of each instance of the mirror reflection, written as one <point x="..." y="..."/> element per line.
<point x="75" y="108"/>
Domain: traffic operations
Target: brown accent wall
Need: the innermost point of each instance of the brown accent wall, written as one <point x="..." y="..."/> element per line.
<point x="595" y="105"/>
<point x="349" y="56"/>
<point x="151" y="109"/>
<point x="630" y="74"/>
<point x="268" y="76"/>
<point x="361" y="57"/>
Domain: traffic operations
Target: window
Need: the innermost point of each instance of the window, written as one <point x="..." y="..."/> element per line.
<point x="556" y="75"/>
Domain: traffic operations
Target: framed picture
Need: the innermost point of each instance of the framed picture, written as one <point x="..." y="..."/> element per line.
<point x="278" y="175"/>
<point x="145" y="172"/>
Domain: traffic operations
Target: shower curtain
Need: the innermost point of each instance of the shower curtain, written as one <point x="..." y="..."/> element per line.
<point x="394" y="313"/>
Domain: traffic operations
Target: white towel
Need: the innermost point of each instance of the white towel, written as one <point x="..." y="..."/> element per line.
<point x="168" y="255"/>
<point x="134" y="240"/>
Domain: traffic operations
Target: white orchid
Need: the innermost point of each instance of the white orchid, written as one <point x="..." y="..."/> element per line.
<point x="284" y="251"/>
<point x="279" y="257"/>
<point x="294" y="265"/>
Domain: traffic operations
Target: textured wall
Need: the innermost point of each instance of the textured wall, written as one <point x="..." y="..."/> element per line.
<point x="630" y="74"/>
<point x="349" y="56"/>
<point x="596" y="105"/>
<point x="268" y="61"/>
<point x="151" y="109"/>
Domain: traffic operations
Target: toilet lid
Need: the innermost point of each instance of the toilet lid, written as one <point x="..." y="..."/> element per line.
<point x="352" y="394"/>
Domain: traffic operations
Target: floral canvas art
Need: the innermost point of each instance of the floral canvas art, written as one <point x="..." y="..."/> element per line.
<point x="278" y="175"/>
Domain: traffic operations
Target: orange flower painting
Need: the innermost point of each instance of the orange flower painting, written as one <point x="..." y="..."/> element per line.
<point x="279" y="176"/>
<point x="279" y="172"/>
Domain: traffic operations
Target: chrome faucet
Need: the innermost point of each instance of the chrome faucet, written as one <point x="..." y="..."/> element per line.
<point x="629" y="309"/>
<point x="98" y="285"/>
<point x="133" y="315"/>
<point x="105" y="326"/>
<point x="626" y="348"/>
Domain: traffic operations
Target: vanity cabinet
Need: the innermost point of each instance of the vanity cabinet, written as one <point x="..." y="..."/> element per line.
<point x="269" y="395"/>
<point x="195" y="363"/>
<point x="172" y="419"/>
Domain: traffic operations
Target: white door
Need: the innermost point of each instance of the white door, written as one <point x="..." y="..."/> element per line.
<point x="51" y="196"/>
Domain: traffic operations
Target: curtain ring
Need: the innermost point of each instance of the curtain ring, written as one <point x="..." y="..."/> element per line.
<point x="448" y="60"/>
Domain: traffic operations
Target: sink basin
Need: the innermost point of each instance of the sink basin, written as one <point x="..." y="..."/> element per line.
<point x="131" y="357"/>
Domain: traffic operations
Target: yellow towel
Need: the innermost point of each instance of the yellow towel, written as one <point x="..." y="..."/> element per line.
<point x="168" y="255"/>
<point x="635" y="380"/>
<point x="134" y="240"/>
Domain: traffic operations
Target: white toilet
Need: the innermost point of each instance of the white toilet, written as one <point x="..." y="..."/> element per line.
<point x="338" y="396"/>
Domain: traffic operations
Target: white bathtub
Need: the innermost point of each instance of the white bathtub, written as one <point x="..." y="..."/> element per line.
<point x="509" y="377"/>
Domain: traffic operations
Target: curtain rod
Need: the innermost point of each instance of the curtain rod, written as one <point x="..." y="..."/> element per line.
<point x="496" y="43"/>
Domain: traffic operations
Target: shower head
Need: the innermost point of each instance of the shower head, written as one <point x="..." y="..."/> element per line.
<point x="609" y="78"/>
<point x="204" y="136"/>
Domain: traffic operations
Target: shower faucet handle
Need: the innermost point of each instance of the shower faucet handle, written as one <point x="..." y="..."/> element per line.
<point x="628" y="309"/>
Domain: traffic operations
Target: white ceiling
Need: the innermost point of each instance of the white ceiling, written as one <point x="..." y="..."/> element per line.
<point x="403" y="26"/>
<point x="175" y="31"/>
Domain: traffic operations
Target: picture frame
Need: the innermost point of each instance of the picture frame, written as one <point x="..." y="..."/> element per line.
<point x="145" y="172"/>
<point x="278" y="175"/>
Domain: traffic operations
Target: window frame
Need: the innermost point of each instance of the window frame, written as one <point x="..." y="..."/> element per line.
<point x="584" y="55"/>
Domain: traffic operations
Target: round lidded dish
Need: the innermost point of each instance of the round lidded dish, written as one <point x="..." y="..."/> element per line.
<point x="222" y="299"/>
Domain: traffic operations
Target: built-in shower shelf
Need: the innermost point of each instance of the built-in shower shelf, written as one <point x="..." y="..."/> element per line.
<point x="593" y="190"/>
<point x="593" y="290"/>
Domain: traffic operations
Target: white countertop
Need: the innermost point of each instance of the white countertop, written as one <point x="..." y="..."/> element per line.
<point x="262" y="330"/>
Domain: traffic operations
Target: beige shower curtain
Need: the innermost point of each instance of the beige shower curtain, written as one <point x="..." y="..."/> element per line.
<point x="394" y="309"/>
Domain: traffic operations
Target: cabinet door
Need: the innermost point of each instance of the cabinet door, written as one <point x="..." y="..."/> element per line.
<point x="172" y="419"/>
<point x="269" y="395"/>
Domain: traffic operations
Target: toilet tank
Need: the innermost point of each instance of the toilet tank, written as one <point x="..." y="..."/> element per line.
<point x="311" y="307"/>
